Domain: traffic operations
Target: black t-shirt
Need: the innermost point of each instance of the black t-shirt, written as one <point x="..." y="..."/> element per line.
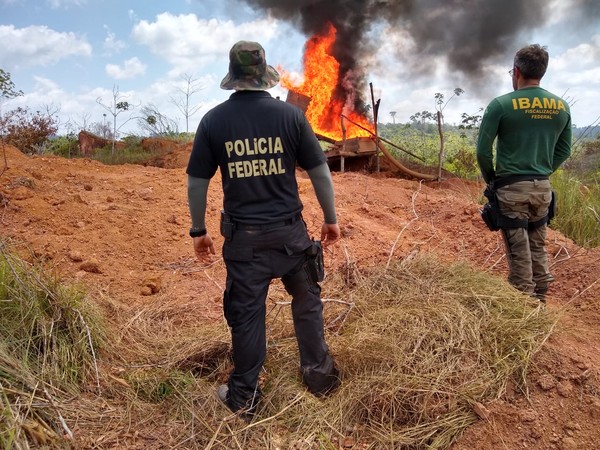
<point x="256" y="141"/>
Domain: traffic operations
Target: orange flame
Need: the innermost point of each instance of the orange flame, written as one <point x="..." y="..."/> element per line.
<point x="321" y="76"/>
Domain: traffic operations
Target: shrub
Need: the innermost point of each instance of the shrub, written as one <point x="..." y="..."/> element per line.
<point x="26" y="130"/>
<point x="66" y="146"/>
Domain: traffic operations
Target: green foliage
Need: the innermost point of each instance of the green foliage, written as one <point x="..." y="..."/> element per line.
<point x="185" y="137"/>
<point x="577" y="186"/>
<point x="469" y="122"/>
<point x="463" y="163"/>
<point x="157" y="384"/>
<point x="422" y="139"/>
<point x="45" y="325"/>
<point x="7" y="87"/>
<point x="131" y="153"/>
<point x="26" y="130"/>
<point x="65" y="146"/>
<point x="578" y="207"/>
<point x="132" y="142"/>
<point x="49" y="334"/>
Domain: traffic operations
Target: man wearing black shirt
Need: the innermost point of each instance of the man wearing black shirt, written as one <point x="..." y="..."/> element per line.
<point x="256" y="141"/>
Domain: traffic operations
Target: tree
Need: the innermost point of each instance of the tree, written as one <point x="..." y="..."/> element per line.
<point x="469" y="122"/>
<point x="117" y="106"/>
<point x="156" y="123"/>
<point x="182" y="101"/>
<point x="7" y="87"/>
<point x="7" y="91"/>
<point x="82" y="123"/>
<point x="393" y="114"/>
<point x="440" y="105"/>
<point x="102" y="129"/>
<point x="420" y="119"/>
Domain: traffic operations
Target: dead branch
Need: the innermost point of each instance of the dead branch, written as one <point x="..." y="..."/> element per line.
<point x="416" y="217"/>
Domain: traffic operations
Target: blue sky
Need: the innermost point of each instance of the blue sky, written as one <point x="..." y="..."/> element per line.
<point x="67" y="54"/>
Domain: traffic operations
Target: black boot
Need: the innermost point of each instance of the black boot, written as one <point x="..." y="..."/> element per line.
<point x="319" y="383"/>
<point x="540" y="294"/>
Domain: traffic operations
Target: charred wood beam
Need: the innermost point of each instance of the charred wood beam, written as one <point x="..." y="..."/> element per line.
<point x="325" y="138"/>
<point x="385" y="140"/>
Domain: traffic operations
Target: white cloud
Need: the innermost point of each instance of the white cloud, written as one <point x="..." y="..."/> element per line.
<point x="162" y="92"/>
<point x="191" y="43"/>
<point x="39" y="46"/>
<point x="47" y="94"/>
<point x="111" y="44"/>
<point x="585" y="55"/>
<point x="65" y="3"/>
<point x="130" y="69"/>
<point x="575" y="75"/>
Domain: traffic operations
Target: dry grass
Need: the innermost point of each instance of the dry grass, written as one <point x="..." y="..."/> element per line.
<point x="418" y="344"/>
<point x="48" y="342"/>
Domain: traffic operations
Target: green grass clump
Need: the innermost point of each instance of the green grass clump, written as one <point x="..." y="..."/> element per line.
<point x="157" y="384"/>
<point x="49" y="336"/>
<point x="45" y="323"/>
<point x="133" y="153"/>
<point x="578" y="208"/>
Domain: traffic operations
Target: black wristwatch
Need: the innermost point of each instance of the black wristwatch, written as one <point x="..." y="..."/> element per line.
<point x="197" y="232"/>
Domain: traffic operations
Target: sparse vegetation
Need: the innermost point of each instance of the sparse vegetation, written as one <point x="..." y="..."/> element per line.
<point x="66" y="146"/>
<point x="131" y="153"/>
<point x="578" y="215"/>
<point x="578" y="206"/>
<point x="420" y="345"/>
<point x="26" y="130"/>
<point x="49" y="337"/>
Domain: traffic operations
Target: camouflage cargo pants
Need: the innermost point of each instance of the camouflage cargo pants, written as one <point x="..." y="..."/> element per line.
<point x="525" y="248"/>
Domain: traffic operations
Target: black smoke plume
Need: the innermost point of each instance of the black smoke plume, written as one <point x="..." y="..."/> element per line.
<point x="466" y="33"/>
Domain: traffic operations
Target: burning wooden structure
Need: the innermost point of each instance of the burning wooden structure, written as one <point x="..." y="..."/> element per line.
<point x="331" y="108"/>
<point x="360" y="149"/>
<point x="355" y="153"/>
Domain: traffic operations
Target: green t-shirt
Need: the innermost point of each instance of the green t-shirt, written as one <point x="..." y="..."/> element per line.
<point x="533" y="131"/>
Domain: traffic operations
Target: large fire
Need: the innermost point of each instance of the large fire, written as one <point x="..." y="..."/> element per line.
<point x="321" y="76"/>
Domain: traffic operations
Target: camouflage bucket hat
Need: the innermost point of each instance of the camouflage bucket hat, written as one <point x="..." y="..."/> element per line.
<point x="248" y="69"/>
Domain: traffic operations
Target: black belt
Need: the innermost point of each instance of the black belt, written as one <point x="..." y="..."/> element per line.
<point x="269" y="225"/>
<point x="510" y="179"/>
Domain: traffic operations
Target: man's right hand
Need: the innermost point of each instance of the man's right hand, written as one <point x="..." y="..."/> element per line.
<point x="330" y="233"/>
<point x="204" y="248"/>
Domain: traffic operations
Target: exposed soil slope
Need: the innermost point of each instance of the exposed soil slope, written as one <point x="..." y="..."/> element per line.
<point x="122" y="231"/>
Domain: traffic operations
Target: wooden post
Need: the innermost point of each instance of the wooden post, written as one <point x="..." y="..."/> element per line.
<point x="343" y="144"/>
<point x="375" y="106"/>
<point x="441" y="155"/>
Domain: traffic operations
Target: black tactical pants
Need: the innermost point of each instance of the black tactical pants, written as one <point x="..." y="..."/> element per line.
<point x="253" y="259"/>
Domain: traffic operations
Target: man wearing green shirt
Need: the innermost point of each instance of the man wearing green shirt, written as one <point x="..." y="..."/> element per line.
<point x="532" y="130"/>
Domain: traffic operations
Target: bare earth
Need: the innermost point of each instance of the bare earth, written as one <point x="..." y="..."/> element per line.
<point x="122" y="230"/>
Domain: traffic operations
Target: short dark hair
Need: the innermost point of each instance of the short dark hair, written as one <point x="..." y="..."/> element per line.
<point x="532" y="61"/>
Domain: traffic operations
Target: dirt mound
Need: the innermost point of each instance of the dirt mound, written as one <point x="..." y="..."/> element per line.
<point x="170" y="154"/>
<point x="122" y="231"/>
